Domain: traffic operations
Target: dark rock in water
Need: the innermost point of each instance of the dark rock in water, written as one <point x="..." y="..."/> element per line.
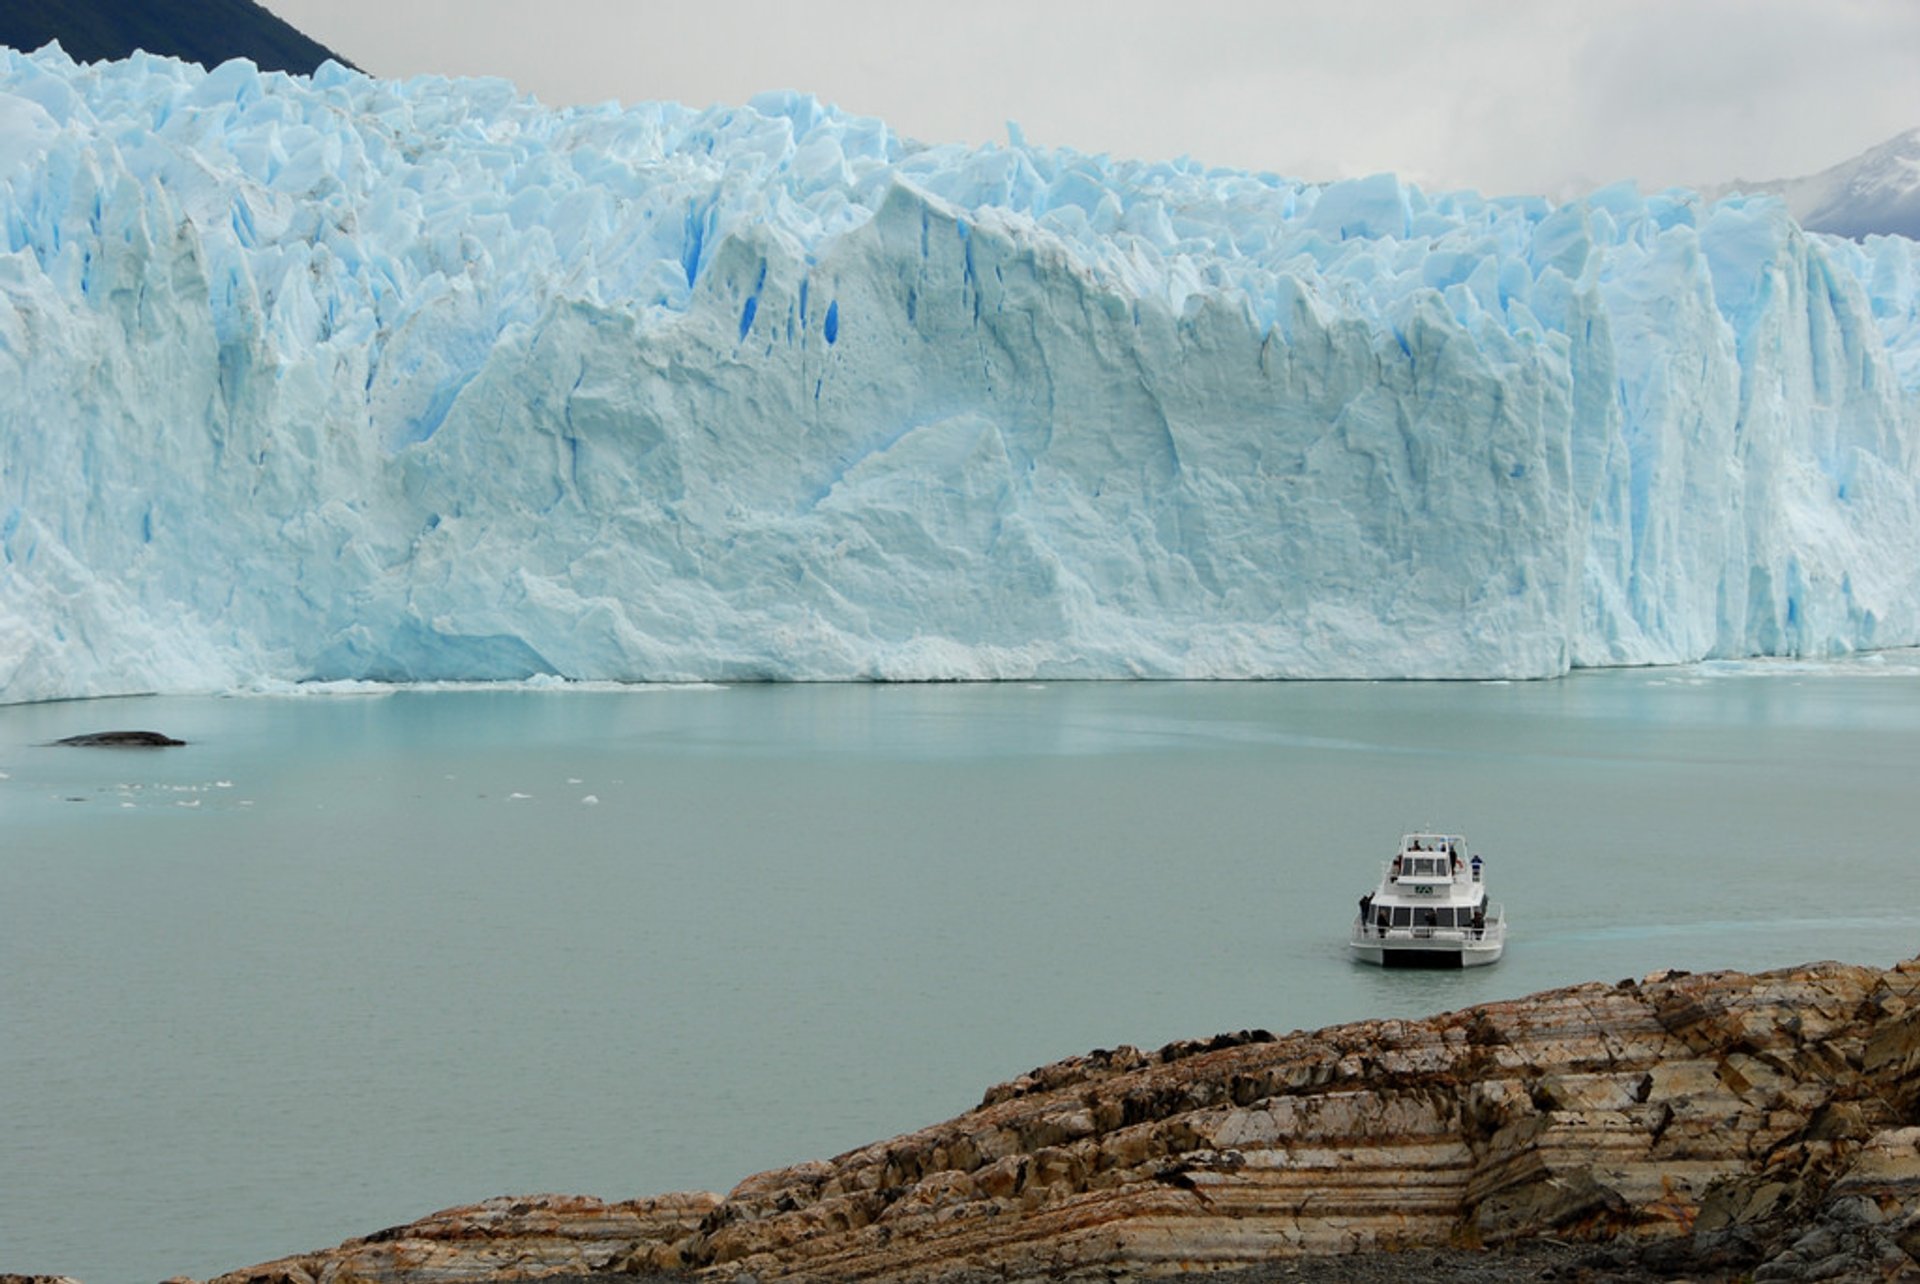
<point x="121" y="740"/>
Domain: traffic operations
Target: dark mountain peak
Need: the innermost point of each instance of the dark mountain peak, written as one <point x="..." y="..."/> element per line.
<point x="208" y="32"/>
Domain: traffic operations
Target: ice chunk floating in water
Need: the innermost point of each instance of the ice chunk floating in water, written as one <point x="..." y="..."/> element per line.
<point x="348" y="379"/>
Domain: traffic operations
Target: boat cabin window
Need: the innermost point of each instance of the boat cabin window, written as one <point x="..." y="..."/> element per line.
<point x="1402" y="916"/>
<point x="1424" y="867"/>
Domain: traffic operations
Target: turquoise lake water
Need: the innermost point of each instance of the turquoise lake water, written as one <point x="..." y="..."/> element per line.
<point x="348" y="958"/>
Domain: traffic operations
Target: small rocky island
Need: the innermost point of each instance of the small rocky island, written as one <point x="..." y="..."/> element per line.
<point x="120" y="740"/>
<point x="1716" y="1126"/>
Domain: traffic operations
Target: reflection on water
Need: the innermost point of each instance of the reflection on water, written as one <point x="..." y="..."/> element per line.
<point x="345" y="959"/>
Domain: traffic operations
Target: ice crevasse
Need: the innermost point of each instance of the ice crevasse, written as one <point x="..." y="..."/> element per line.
<point x="328" y="378"/>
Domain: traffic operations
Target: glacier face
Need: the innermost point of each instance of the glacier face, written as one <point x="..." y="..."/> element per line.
<point x="339" y="378"/>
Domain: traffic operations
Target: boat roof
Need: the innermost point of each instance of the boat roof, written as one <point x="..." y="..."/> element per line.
<point x="1433" y="865"/>
<point x="1429" y="836"/>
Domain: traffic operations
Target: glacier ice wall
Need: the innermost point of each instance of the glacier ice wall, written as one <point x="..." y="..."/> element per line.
<point x="342" y="378"/>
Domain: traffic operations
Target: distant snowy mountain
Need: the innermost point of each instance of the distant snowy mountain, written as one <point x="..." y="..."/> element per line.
<point x="341" y="378"/>
<point x="1874" y="193"/>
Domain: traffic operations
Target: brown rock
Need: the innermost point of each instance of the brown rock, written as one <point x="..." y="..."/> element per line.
<point x="505" y="1239"/>
<point x="1682" y="1112"/>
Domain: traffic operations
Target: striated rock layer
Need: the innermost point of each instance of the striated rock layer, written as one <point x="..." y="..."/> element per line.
<point x="1683" y="1115"/>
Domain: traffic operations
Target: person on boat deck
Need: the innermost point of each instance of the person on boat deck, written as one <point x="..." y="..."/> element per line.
<point x="1476" y="867"/>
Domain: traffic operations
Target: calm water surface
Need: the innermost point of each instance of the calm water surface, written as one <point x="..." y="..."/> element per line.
<point x="346" y="959"/>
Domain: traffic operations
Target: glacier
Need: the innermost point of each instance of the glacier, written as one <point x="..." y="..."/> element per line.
<point x="335" y="378"/>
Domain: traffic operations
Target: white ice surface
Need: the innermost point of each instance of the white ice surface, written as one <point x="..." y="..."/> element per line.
<point x="341" y="379"/>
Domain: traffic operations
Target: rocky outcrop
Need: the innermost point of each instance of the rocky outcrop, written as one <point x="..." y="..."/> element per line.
<point x="1697" y="1121"/>
<point x="506" y="1239"/>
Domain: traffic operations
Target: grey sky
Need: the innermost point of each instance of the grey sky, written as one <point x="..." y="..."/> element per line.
<point x="1517" y="95"/>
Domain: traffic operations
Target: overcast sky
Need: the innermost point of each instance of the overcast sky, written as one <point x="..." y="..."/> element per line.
<point x="1517" y="95"/>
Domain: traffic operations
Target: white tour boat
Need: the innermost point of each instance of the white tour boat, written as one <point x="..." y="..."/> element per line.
<point x="1430" y="910"/>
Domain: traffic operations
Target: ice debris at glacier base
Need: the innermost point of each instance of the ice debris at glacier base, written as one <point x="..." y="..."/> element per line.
<point x="339" y="378"/>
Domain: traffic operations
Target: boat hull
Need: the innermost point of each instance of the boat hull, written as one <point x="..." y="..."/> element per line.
<point x="1426" y="954"/>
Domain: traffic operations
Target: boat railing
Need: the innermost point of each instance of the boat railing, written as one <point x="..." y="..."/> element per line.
<point x="1491" y="928"/>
